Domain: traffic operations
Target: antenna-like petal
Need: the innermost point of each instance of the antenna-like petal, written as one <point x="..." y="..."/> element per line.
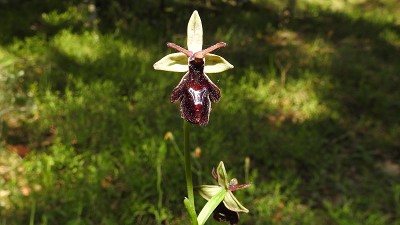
<point x="179" y="48"/>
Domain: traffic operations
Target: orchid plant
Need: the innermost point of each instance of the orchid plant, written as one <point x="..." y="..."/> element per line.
<point x="195" y="92"/>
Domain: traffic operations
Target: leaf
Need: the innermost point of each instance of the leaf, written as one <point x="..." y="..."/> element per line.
<point x="175" y="62"/>
<point x="208" y="191"/>
<point x="233" y="204"/>
<point x="195" y="33"/>
<point x="216" y="64"/>
<point x="209" y="208"/>
<point x="191" y="211"/>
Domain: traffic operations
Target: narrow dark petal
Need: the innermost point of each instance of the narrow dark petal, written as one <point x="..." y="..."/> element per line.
<point x="179" y="48"/>
<point x="212" y="48"/>
<point x="223" y="214"/>
<point x="238" y="187"/>
<point x="214" y="174"/>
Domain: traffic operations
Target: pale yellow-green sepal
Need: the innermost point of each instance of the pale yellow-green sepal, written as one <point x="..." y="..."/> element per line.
<point x="208" y="191"/>
<point x="233" y="204"/>
<point x="195" y="33"/>
<point x="222" y="176"/>
<point x="175" y="62"/>
<point x="216" y="64"/>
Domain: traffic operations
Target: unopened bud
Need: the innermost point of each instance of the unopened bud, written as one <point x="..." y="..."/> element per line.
<point x="197" y="153"/>
<point x="168" y="136"/>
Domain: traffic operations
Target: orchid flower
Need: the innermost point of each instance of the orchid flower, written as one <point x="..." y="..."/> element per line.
<point x="228" y="210"/>
<point x="195" y="91"/>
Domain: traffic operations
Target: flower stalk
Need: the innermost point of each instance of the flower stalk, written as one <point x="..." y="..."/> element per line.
<point x="188" y="164"/>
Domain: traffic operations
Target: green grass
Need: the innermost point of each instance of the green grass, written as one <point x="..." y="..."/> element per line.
<point x="313" y="100"/>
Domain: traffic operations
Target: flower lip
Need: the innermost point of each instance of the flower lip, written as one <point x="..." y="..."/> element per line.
<point x="223" y="214"/>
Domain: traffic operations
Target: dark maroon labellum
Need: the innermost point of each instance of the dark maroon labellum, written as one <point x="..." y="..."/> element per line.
<point x="196" y="91"/>
<point x="223" y="214"/>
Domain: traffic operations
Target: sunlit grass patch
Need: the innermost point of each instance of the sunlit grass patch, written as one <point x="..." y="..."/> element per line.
<point x="335" y="5"/>
<point x="280" y="209"/>
<point x="102" y="107"/>
<point x="6" y="59"/>
<point x="297" y="101"/>
<point x="301" y="100"/>
<point x="74" y="15"/>
<point x="83" y="48"/>
<point x="88" y="183"/>
<point x="346" y="213"/>
<point x="89" y="47"/>
<point x="391" y="37"/>
<point x="6" y="79"/>
<point x="377" y="12"/>
<point x="9" y="180"/>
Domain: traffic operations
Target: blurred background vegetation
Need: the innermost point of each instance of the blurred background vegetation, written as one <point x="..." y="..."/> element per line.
<point x="88" y="136"/>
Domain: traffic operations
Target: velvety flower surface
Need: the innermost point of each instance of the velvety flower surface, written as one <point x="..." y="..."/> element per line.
<point x="228" y="210"/>
<point x="223" y="214"/>
<point x="195" y="91"/>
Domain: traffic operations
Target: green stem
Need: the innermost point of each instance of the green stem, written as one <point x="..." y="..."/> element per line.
<point x="188" y="166"/>
<point x="33" y="211"/>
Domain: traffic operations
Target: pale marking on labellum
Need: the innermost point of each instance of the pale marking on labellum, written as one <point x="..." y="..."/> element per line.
<point x="197" y="95"/>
